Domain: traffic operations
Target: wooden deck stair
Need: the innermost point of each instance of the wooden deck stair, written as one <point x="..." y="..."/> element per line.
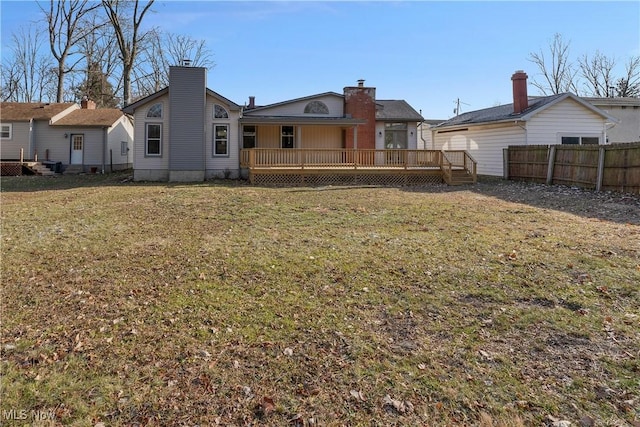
<point x="41" y="169"/>
<point x="461" y="177"/>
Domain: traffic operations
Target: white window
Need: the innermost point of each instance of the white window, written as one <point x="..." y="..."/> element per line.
<point x="579" y="139"/>
<point x="124" y="148"/>
<point x="220" y="140"/>
<point x="155" y="111"/>
<point x="6" y="131"/>
<point x="219" y="112"/>
<point x="153" y="140"/>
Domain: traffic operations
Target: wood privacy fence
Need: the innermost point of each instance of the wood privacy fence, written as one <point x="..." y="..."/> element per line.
<point x="613" y="167"/>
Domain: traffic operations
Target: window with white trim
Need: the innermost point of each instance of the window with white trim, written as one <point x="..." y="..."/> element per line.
<point x="220" y="140"/>
<point x="6" y="131"/>
<point x="153" y="140"/>
<point x="579" y="140"/>
<point x="395" y="136"/>
<point x="124" y="148"/>
<point x="155" y="111"/>
<point x="219" y="112"/>
<point x="287" y="136"/>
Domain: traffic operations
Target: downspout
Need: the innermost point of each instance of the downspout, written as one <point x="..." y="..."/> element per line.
<point x="433" y="138"/>
<point x="424" y="142"/>
<point x="31" y="138"/>
<point x="524" y="128"/>
<point x="104" y="147"/>
<point x="607" y="126"/>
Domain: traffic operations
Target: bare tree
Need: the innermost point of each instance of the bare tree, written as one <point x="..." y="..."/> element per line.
<point x="27" y="74"/>
<point x="101" y="54"/>
<point x="64" y="19"/>
<point x="597" y="72"/>
<point x="629" y="84"/>
<point x="126" y="26"/>
<point x="10" y="78"/>
<point x="557" y="71"/>
<point x="164" y="50"/>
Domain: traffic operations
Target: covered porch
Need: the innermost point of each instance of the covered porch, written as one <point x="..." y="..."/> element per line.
<point x="348" y="166"/>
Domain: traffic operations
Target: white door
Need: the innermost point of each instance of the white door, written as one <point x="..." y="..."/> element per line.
<point x="77" y="145"/>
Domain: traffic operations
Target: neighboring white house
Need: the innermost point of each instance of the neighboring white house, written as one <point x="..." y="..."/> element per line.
<point x="557" y="119"/>
<point x="627" y="111"/>
<point x="74" y="135"/>
<point x="186" y="132"/>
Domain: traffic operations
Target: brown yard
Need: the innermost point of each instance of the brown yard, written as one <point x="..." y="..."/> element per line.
<point x="500" y="303"/>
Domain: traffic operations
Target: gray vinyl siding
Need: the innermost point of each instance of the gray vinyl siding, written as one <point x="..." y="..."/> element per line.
<point x="10" y="148"/>
<point x="187" y="102"/>
<point x="140" y="160"/>
<point x="217" y="166"/>
<point x="334" y="103"/>
<point x="52" y="138"/>
<point x="122" y="130"/>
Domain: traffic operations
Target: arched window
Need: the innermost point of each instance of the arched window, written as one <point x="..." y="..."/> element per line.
<point x="155" y="110"/>
<point x="219" y="112"/>
<point x="316" y="107"/>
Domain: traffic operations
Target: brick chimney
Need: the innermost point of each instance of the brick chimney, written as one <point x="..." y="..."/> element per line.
<point x="252" y="102"/>
<point x="360" y="103"/>
<point x="520" y="98"/>
<point x="87" y="104"/>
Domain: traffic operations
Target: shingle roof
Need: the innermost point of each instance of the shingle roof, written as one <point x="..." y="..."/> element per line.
<point x="84" y="117"/>
<point x="499" y="113"/>
<point x="130" y="109"/>
<point x="504" y="113"/>
<point x="25" y="111"/>
<point x="396" y="110"/>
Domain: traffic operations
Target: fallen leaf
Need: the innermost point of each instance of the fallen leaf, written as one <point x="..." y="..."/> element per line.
<point x="267" y="405"/>
<point x="357" y="395"/>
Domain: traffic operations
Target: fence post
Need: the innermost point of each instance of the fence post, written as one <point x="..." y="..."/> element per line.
<point x="601" y="155"/>
<point x="552" y="161"/>
<point x="21" y="155"/>
<point x="505" y="163"/>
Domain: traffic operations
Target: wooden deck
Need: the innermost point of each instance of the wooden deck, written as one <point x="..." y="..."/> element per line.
<point x="345" y="166"/>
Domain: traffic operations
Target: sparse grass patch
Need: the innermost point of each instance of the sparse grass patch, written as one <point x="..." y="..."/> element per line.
<point x="159" y="304"/>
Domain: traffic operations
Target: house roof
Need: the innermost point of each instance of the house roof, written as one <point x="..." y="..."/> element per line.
<point x="129" y="109"/>
<point x="504" y="113"/>
<point x="613" y="102"/>
<point x="396" y="110"/>
<point x="85" y="117"/>
<point x="301" y="120"/>
<point x="291" y="101"/>
<point x="25" y="111"/>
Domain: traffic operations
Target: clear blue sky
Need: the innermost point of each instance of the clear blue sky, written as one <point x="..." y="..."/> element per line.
<point x="428" y="53"/>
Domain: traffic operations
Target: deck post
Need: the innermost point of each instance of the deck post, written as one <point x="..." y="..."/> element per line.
<point x="552" y="162"/>
<point x="35" y="155"/>
<point x="600" y="177"/>
<point x="21" y="155"/>
<point x="252" y="159"/>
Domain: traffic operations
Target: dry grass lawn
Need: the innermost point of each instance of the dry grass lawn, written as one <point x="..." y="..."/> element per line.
<point x="224" y="304"/>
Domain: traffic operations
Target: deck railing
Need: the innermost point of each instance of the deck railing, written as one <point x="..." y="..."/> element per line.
<point x="339" y="158"/>
<point x="458" y="160"/>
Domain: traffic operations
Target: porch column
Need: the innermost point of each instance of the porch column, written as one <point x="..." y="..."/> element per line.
<point x="355" y="137"/>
